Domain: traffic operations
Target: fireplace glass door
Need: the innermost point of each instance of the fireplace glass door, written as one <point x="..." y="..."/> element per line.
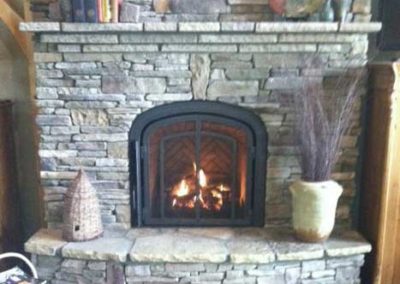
<point x="197" y="170"/>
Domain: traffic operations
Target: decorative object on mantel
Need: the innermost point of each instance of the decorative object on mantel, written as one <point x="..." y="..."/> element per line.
<point x="322" y="119"/>
<point x="295" y="9"/>
<point x="341" y="9"/>
<point x="327" y="14"/>
<point x="82" y="219"/>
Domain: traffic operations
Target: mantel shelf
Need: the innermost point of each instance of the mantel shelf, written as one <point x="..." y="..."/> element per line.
<point x="202" y="27"/>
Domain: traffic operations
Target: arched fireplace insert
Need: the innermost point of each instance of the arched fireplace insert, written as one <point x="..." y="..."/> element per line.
<point x="198" y="163"/>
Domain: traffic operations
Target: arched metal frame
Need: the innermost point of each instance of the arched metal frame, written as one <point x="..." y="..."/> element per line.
<point x="197" y="111"/>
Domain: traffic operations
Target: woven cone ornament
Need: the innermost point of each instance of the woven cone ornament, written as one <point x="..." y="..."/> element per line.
<point x="82" y="219"/>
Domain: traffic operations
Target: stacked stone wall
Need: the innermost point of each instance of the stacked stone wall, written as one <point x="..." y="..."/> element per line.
<point x="92" y="83"/>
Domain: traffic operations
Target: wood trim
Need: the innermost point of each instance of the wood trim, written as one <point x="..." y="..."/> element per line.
<point x="11" y="19"/>
<point x="380" y="200"/>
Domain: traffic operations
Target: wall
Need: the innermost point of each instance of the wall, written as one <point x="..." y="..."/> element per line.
<point x="92" y="83"/>
<point x="14" y="85"/>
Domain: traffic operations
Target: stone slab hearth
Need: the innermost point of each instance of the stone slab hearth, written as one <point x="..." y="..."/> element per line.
<point x="251" y="255"/>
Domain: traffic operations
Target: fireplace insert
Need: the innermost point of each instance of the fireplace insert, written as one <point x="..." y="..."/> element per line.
<point x="197" y="163"/>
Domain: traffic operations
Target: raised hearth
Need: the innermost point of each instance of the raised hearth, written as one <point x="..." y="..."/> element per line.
<point x="250" y="255"/>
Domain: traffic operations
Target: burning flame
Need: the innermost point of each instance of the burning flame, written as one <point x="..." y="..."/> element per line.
<point x="210" y="197"/>
<point x="183" y="189"/>
<point x="202" y="178"/>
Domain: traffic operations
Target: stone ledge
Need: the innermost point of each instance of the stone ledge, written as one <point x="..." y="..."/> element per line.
<point x="213" y="245"/>
<point x="202" y="27"/>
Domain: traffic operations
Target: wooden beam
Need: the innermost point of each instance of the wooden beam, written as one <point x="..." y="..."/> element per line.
<point x="11" y="19"/>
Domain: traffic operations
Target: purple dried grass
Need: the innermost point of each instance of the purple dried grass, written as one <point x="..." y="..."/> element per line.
<point x="322" y="119"/>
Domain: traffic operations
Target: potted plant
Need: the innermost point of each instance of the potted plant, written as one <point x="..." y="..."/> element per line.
<point x="322" y="119"/>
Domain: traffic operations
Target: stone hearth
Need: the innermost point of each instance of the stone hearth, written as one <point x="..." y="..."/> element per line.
<point x="199" y="256"/>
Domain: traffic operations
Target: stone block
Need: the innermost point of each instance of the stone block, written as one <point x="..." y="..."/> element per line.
<point x="107" y="249"/>
<point x="95" y="28"/>
<point x="232" y="88"/>
<point x="199" y="26"/>
<point x="120" y="48"/>
<point x="130" y="13"/>
<point x="278" y="48"/>
<point x="85" y="57"/>
<point x="89" y="117"/>
<point x="204" y="48"/>
<point x="185" y="267"/>
<point x="169" y="97"/>
<point x="79" y="38"/>
<point x="237" y="38"/>
<point x="200" y="68"/>
<point x="268" y="27"/>
<point x="247" y="73"/>
<point x="198" y="7"/>
<point x="101" y="137"/>
<point x="45" y="242"/>
<point x="158" y="38"/>
<point x="39" y="27"/>
<point x="44" y="57"/>
<point x="69" y="48"/>
<point x="347" y="243"/>
<point x="237" y="26"/>
<point x="178" y="248"/>
<point x="161" y="26"/>
<point x="117" y="150"/>
<point x="53" y="120"/>
<point x="137" y="270"/>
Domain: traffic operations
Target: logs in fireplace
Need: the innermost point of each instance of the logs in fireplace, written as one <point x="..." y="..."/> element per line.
<point x="197" y="163"/>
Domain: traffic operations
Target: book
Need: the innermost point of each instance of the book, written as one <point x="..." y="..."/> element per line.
<point x="106" y="11"/>
<point x="78" y="11"/>
<point x="66" y="10"/>
<point x="115" y="11"/>
<point x="100" y="11"/>
<point x="91" y="11"/>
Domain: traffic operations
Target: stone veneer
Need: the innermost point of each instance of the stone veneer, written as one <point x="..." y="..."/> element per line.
<point x="93" y="80"/>
<point x="208" y="256"/>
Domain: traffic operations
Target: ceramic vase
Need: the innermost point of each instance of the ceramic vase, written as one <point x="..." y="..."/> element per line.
<point x="314" y="208"/>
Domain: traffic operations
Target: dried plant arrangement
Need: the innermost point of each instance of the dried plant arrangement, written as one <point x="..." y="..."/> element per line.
<point x="322" y="119"/>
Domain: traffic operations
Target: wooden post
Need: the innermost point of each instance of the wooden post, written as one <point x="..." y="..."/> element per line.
<point x="380" y="193"/>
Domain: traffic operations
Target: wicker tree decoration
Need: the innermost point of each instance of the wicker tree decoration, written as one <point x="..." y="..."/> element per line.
<point x="82" y="219"/>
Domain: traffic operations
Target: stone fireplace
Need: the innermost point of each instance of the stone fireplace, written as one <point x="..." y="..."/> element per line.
<point x="183" y="80"/>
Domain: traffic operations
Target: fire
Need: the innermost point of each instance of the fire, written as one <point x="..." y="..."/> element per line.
<point x="183" y="189"/>
<point x="209" y="196"/>
<point x="202" y="178"/>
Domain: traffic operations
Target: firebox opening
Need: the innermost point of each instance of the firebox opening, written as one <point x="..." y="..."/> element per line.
<point x="197" y="168"/>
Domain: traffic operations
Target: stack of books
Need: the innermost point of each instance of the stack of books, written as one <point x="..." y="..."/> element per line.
<point x="90" y="11"/>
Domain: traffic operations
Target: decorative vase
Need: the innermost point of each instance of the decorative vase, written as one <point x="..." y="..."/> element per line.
<point x="341" y="8"/>
<point x="314" y="207"/>
<point x="327" y="14"/>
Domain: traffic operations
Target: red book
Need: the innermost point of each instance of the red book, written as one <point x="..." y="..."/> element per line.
<point x="115" y="11"/>
<point x="100" y="11"/>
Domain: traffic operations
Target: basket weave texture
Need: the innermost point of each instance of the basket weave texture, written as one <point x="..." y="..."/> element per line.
<point x="82" y="218"/>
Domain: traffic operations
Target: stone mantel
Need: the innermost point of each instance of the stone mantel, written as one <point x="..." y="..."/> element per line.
<point x="203" y="27"/>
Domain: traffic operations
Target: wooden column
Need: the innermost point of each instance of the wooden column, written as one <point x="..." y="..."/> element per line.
<point x="380" y="193"/>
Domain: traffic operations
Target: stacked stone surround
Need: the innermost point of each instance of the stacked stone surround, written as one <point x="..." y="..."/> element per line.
<point x="205" y="10"/>
<point x="216" y="256"/>
<point x="93" y="80"/>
